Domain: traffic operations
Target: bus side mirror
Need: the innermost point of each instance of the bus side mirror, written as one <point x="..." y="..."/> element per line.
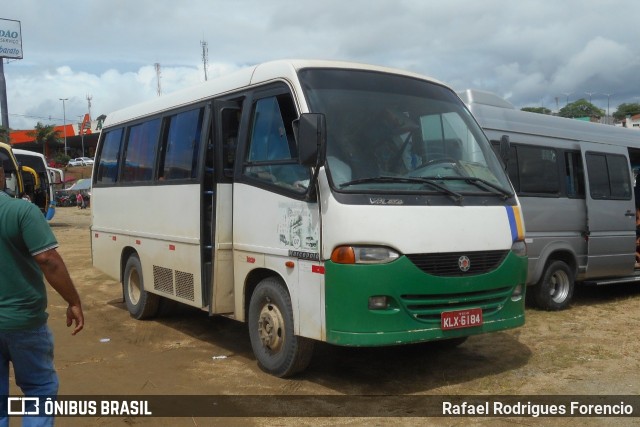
<point x="505" y="148"/>
<point x="311" y="134"/>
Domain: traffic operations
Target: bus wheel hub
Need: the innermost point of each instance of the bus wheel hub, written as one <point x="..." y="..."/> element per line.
<point x="271" y="327"/>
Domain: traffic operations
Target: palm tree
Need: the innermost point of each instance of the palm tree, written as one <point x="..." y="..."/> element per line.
<point x="45" y="134"/>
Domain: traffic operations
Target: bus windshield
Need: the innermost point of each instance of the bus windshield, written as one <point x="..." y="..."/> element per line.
<point x="395" y="133"/>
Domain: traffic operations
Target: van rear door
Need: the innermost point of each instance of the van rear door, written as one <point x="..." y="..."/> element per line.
<point x="611" y="217"/>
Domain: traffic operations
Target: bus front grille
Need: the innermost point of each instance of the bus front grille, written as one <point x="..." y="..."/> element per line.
<point x="429" y="307"/>
<point x="449" y="263"/>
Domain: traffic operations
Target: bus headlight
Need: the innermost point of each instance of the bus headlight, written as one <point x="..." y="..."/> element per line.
<point x="363" y="255"/>
<point x="519" y="248"/>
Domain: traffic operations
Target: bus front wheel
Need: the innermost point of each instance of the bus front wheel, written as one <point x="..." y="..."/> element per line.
<point x="278" y="350"/>
<point x="555" y="289"/>
<point x="140" y="303"/>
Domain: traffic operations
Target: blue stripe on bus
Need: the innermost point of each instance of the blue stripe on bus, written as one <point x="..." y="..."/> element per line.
<point x="515" y="222"/>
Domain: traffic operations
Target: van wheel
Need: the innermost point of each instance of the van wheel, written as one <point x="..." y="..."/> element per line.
<point x="555" y="289"/>
<point x="140" y="303"/>
<point x="278" y="350"/>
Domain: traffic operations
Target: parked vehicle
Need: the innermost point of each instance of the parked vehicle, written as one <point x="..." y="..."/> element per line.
<point x="280" y="196"/>
<point x="36" y="178"/>
<point x="81" y="161"/>
<point x="575" y="182"/>
<point x="14" y="186"/>
<point x="63" y="198"/>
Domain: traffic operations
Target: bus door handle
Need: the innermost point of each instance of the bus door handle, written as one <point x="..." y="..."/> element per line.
<point x="629" y="213"/>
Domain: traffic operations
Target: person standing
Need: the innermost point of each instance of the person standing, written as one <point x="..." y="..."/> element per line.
<point x="29" y="253"/>
<point x="79" y="200"/>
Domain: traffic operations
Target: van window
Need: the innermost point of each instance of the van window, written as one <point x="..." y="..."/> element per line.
<point x="609" y="176"/>
<point x="574" y="174"/>
<point x="538" y="169"/>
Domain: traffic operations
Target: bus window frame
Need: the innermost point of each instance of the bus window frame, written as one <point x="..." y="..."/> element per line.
<point x="271" y="90"/>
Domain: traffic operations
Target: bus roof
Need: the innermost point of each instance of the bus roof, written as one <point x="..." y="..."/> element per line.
<point x="494" y="113"/>
<point x="257" y="74"/>
<point x="28" y="153"/>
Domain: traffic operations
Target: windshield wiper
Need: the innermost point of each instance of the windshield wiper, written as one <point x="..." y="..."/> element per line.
<point x="409" y="180"/>
<point x="481" y="183"/>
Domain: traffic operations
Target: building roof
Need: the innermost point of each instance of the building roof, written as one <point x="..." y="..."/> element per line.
<point x="26" y="136"/>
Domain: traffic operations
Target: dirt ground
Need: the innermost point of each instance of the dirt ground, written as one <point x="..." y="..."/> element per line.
<point x="590" y="349"/>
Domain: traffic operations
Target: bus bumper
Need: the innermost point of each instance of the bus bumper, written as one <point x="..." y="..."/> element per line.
<point x="416" y="300"/>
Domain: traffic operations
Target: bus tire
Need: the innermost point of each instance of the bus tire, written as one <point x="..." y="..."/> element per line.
<point x="555" y="289"/>
<point x="278" y="350"/>
<point x="140" y="303"/>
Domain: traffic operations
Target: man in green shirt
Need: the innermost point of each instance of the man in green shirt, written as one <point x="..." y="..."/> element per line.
<point x="27" y="254"/>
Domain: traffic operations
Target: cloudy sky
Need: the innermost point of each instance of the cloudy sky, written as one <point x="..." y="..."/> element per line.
<point x="532" y="52"/>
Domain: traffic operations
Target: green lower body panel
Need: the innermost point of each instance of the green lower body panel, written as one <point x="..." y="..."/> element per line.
<point x="416" y="301"/>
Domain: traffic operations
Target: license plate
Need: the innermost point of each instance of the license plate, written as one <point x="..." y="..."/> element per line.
<point x="461" y="319"/>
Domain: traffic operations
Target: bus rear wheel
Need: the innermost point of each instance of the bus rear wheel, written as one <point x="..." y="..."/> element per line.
<point x="140" y="303"/>
<point x="555" y="289"/>
<point x="278" y="350"/>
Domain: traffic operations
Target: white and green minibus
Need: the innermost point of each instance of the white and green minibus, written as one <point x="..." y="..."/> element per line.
<point x="317" y="201"/>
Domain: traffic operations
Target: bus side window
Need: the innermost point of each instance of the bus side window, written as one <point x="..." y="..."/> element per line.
<point x="140" y="152"/>
<point x="109" y="156"/>
<point x="181" y="145"/>
<point x="272" y="153"/>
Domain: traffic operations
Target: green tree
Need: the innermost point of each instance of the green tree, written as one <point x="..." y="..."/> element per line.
<point x="625" y="110"/>
<point x="539" y="110"/>
<point x="45" y="135"/>
<point x="580" y="108"/>
<point x="4" y="134"/>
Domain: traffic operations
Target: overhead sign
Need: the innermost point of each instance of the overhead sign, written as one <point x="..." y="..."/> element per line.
<point x="10" y="39"/>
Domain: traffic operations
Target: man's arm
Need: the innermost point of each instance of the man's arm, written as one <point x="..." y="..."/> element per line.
<point x="57" y="275"/>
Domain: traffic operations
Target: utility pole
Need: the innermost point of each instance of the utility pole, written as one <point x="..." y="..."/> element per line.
<point x="157" y="64"/>
<point x="64" y="125"/>
<point x="89" y="98"/>
<point x="205" y="57"/>
<point x="3" y="100"/>
<point x="608" y="98"/>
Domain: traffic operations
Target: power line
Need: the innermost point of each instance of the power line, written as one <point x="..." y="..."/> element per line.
<point x="49" y="118"/>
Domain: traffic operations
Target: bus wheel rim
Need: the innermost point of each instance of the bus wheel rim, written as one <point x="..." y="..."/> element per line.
<point x="271" y="327"/>
<point x="134" y="287"/>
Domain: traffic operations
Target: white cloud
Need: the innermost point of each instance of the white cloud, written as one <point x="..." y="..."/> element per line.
<point x="533" y="50"/>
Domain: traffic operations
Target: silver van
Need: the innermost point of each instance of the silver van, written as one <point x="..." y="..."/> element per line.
<point x="575" y="181"/>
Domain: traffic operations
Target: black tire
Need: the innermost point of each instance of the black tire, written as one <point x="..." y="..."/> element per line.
<point x="140" y="303"/>
<point x="555" y="289"/>
<point x="278" y="350"/>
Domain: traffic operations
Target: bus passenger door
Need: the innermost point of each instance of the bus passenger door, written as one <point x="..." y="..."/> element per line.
<point x="611" y="215"/>
<point x="226" y="123"/>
